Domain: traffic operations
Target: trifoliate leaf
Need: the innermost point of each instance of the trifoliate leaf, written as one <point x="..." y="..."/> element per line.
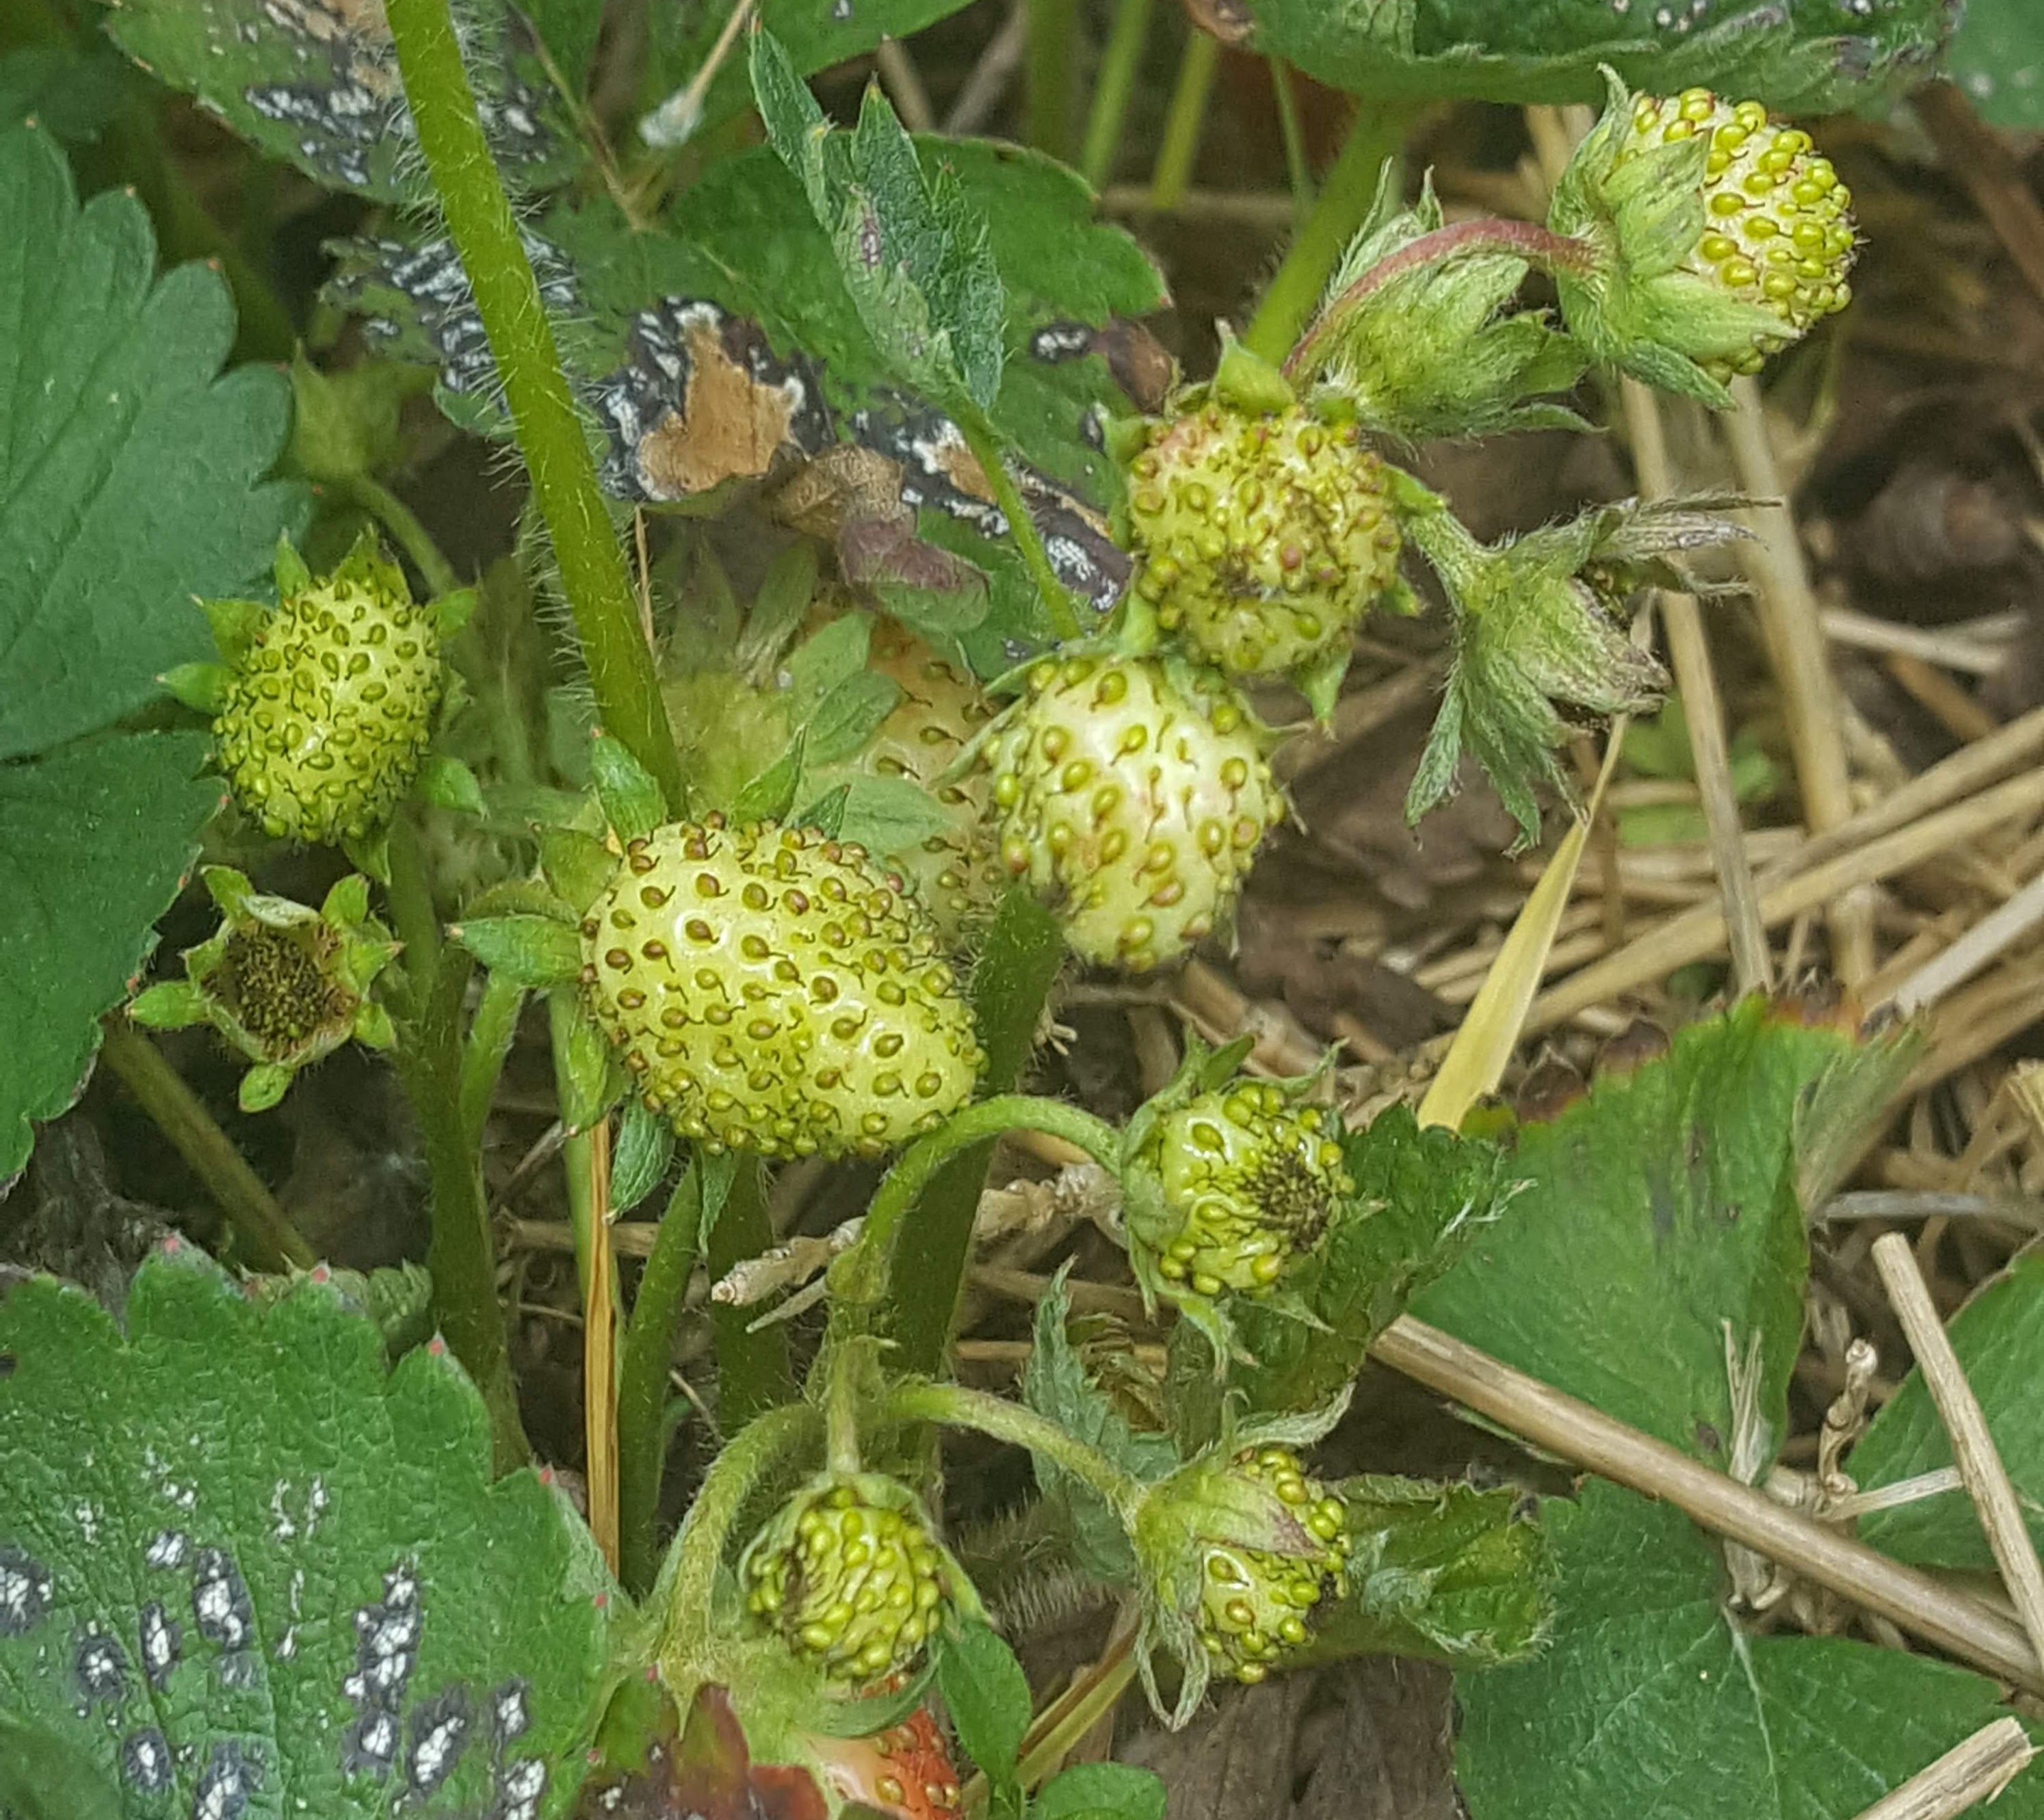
<point x="315" y="82"/>
<point x="1659" y="1242"/>
<point x="1999" y="1337"/>
<point x="1649" y="1700"/>
<point x="1443" y="1571"/>
<point x="242" y="1566"/>
<point x="1806" y="55"/>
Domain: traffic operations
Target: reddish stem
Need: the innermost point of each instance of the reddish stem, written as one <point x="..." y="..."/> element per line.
<point x="1537" y="245"/>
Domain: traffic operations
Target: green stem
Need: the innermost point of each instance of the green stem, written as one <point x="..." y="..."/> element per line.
<point x="861" y="1275"/>
<point x="642" y="1385"/>
<point x="1119" y="65"/>
<point x="1052" y="58"/>
<point x="460" y="1259"/>
<point x="1019" y="957"/>
<point x="841" y="1373"/>
<point x="403" y="523"/>
<point x="957" y="1407"/>
<point x="1184" y="123"/>
<point x="985" y="447"/>
<point x="411" y="895"/>
<point x="753" y="1374"/>
<point x="271" y="1241"/>
<point x="1346" y="195"/>
<point x="1298" y="167"/>
<point x="550" y="431"/>
<point x="699" y="1549"/>
<point x="490" y="1034"/>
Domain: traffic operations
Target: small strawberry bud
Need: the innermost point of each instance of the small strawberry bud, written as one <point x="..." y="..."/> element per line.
<point x="775" y="991"/>
<point x="326" y="717"/>
<point x="1250" y="1182"/>
<point x="1265" y="537"/>
<point x="849" y="1577"/>
<point x="1132" y="794"/>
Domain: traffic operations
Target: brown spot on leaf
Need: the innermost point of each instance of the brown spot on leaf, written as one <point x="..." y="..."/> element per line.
<point x="729" y="426"/>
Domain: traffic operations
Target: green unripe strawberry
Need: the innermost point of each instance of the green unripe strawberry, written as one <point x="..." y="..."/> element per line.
<point x="1778" y="228"/>
<point x="775" y="991"/>
<point x="1256" y="1604"/>
<point x="955" y="874"/>
<point x="849" y="1577"/>
<point x="1264" y="537"/>
<point x="325" y="713"/>
<point x="1252" y="1181"/>
<point x="1132" y="794"/>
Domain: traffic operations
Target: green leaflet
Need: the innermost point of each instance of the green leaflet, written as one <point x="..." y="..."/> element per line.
<point x="1659" y="1237"/>
<point x="1998" y="58"/>
<point x="215" y="1527"/>
<point x="1813" y="56"/>
<point x="1999" y="1337"/>
<point x="1648" y="1700"/>
<point x="129" y="481"/>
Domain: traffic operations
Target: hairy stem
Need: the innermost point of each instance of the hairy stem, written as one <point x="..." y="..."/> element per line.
<point x="272" y="1242"/>
<point x="491" y="1032"/>
<point x="642" y="1388"/>
<point x="550" y="432"/>
<point x="753" y="1374"/>
<point x="1550" y="253"/>
<point x="1020" y="958"/>
<point x="1345" y="194"/>
<point x="1173" y="172"/>
<point x="1058" y="605"/>
<point x="1119" y="65"/>
<point x="411" y="895"/>
<point x="404" y="524"/>
<point x="861" y="1275"/>
<point x="461" y="1259"/>
<point x="955" y="1407"/>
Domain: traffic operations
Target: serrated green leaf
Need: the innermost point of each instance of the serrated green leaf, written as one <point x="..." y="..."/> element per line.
<point x="228" y="1517"/>
<point x="1660" y="1209"/>
<point x="638" y="1163"/>
<point x="532" y="950"/>
<point x="1804" y="56"/>
<point x="1648" y="1700"/>
<point x="1443" y="1571"/>
<point x="987" y="1695"/>
<point x="129" y="477"/>
<point x="1100" y="1791"/>
<point x="1998" y="59"/>
<point x="1056" y="1383"/>
<point x="1999" y="1338"/>
<point x="95" y="841"/>
<point x="315" y="82"/>
<point x="1422" y="1196"/>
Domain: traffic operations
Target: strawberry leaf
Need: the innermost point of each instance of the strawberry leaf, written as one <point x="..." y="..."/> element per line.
<point x="1998" y="1336"/>
<point x="1659" y="1240"/>
<point x="242" y="1566"/>
<point x="1649" y="1699"/>
<point x="129" y="481"/>
<point x="1805" y="56"/>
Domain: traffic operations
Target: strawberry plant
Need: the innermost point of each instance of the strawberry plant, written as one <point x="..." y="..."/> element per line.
<point x="879" y="631"/>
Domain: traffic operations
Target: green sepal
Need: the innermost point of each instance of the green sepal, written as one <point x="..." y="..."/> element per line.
<point x="453" y="610"/>
<point x="201" y="686"/>
<point x="578" y="866"/>
<point x="446" y="782"/>
<point x="231" y="893"/>
<point x="235" y="624"/>
<point x="370" y="853"/>
<point x="1246" y="382"/>
<point x="644" y="1147"/>
<point x="173" y="1004"/>
<point x="785" y="593"/>
<point x="533" y="950"/>
<point x="290" y="571"/>
<point x="590" y="1078"/>
<point x="263" y="1087"/>
<point x="346" y="903"/>
<point x="632" y="801"/>
<point x="522" y="897"/>
<point x="771" y="796"/>
<point x="1321" y="681"/>
<point x="373" y="1028"/>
